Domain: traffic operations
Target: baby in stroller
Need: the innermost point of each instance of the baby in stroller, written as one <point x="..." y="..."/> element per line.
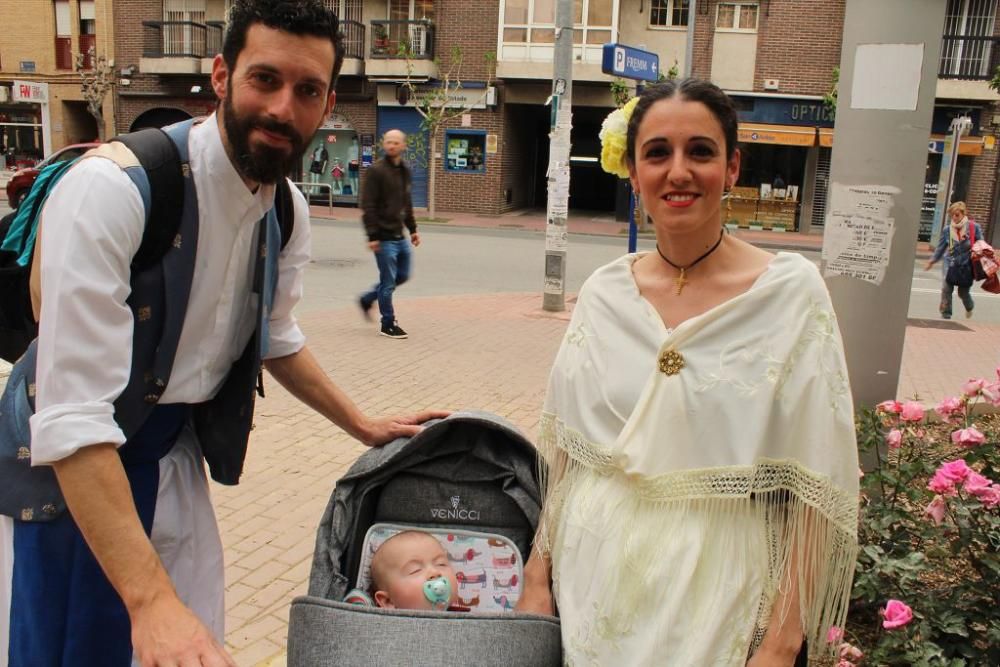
<point x="471" y="482"/>
<point x="411" y="570"/>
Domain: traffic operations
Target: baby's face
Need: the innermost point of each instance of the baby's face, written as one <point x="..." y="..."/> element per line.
<point x="411" y="560"/>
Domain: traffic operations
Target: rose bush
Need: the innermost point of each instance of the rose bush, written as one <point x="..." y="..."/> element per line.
<point x="927" y="586"/>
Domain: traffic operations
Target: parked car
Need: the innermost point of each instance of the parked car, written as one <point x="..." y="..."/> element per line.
<point x="20" y="183"/>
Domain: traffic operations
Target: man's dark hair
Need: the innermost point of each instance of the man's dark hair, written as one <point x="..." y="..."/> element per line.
<point x="691" y="90"/>
<point x="298" y="17"/>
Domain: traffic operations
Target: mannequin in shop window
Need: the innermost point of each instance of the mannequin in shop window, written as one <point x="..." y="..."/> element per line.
<point x="337" y="173"/>
<point x="318" y="166"/>
<point x="353" y="169"/>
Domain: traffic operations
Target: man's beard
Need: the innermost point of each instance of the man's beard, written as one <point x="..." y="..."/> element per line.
<point x="260" y="163"/>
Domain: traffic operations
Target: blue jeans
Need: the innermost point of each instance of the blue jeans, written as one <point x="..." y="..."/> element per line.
<point x="963" y="294"/>
<point x="393" y="260"/>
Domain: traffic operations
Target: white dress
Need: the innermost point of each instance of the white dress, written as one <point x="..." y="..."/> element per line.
<point x="680" y="498"/>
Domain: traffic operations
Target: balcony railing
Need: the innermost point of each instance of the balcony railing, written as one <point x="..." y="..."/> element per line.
<point x="354" y="39"/>
<point x="181" y="39"/>
<point x="394" y="39"/>
<point x="970" y="58"/>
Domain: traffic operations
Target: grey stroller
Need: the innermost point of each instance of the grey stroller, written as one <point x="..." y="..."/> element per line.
<point x="471" y="481"/>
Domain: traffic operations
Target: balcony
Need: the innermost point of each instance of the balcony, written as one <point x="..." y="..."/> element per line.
<point x="966" y="67"/>
<point x="354" y="48"/>
<point x="393" y="41"/>
<point x="180" y="47"/>
<point x="64" y="52"/>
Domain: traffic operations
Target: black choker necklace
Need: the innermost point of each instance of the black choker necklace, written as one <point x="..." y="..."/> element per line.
<point x="681" y="281"/>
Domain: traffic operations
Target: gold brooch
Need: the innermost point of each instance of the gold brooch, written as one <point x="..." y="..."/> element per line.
<point x="671" y="362"/>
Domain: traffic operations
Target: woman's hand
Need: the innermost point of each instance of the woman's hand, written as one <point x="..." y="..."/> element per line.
<point x="536" y="597"/>
<point x="927" y="267"/>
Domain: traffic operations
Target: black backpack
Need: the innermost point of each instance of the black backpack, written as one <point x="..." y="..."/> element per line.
<point x="158" y="155"/>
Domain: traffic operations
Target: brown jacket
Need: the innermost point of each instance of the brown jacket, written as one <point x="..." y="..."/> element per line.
<point x="386" y="201"/>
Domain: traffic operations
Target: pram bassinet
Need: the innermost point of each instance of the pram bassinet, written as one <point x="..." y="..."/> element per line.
<point x="470" y="472"/>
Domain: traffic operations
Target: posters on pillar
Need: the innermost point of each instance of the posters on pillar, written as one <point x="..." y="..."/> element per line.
<point x="859" y="230"/>
<point x="556" y="238"/>
<point x="558" y="172"/>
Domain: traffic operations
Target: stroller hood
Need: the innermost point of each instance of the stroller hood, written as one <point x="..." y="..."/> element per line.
<point x="472" y="470"/>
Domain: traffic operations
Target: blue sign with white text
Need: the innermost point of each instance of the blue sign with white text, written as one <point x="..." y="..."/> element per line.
<point x="630" y="63"/>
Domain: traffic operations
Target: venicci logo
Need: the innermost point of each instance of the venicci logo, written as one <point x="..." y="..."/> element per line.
<point x="456" y="511"/>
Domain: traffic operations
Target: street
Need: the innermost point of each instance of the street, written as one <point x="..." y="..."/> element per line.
<point x="454" y="260"/>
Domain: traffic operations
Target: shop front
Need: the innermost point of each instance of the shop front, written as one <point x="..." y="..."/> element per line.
<point x="331" y="166"/>
<point x="24" y="128"/>
<point x="778" y="141"/>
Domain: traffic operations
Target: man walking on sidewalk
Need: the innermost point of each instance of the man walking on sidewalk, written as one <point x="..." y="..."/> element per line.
<point x="387" y="207"/>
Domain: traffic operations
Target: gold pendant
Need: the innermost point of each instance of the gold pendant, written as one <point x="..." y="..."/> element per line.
<point x="671" y="362"/>
<point x="680" y="281"/>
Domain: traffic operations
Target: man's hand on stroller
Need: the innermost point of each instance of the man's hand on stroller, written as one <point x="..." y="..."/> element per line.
<point x="382" y="430"/>
<point x="536" y="597"/>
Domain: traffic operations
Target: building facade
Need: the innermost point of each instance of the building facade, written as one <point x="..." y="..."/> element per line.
<point x="776" y="58"/>
<point x="42" y="107"/>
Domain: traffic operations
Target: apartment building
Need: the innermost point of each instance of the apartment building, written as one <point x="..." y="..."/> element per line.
<point x="777" y="59"/>
<point x="42" y="107"/>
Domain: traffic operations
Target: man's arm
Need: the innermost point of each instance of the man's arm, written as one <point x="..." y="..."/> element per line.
<point x="164" y="631"/>
<point x="408" y="219"/>
<point x="302" y="376"/>
<point x="371" y="195"/>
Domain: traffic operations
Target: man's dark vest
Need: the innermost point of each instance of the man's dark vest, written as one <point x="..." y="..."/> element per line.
<point x="158" y="301"/>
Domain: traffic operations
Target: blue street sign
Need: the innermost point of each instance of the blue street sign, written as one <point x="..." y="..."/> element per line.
<point x="630" y="63"/>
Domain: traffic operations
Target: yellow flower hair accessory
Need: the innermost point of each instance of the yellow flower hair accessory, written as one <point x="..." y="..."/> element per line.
<point x="614" y="139"/>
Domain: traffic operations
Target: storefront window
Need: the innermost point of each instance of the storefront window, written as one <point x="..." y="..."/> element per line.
<point x="331" y="164"/>
<point x="465" y="151"/>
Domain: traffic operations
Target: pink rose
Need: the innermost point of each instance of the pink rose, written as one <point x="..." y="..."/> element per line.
<point x="912" y="412"/>
<point x="977" y="484"/>
<point x="889" y="407"/>
<point x="936" y="509"/>
<point x="973" y="387"/>
<point x="991" y="393"/>
<point x="948" y="407"/>
<point x="834" y="635"/>
<point x="849" y="652"/>
<point x="896" y="614"/>
<point x="941" y="485"/>
<point x="894" y="439"/>
<point x="990" y="497"/>
<point x="968" y="437"/>
<point x="956" y="471"/>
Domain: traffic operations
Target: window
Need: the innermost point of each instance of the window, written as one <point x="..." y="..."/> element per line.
<point x="967" y="47"/>
<point x="665" y="13"/>
<point x="737" y="16"/>
<point x="64" y="40"/>
<point x="534" y="21"/>
<point x="465" y="151"/>
<point x="180" y="36"/>
<point x="88" y="33"/>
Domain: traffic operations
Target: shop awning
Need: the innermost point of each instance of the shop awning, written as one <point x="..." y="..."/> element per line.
<point x="788" y="135"/>
<point x="969" y="145"/>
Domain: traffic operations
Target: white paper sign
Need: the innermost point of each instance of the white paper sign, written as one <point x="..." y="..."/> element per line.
<point x="887" y="76"/>
<point x="857" y="240"/>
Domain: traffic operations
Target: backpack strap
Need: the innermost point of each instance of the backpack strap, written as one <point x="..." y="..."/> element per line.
<point x="284" y="208"/>
<point x="164" y="169"/>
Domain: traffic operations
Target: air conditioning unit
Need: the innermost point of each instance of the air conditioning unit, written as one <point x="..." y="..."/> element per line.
<point x="4" y="94"/>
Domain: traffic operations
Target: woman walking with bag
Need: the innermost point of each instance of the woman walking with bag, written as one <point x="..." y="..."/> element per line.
<point x="955" y="245"/>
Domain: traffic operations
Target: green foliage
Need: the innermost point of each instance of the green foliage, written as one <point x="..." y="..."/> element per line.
<point x="672" y="73"/>
<point x="995" y="81"/>
<point x="948" y="573"/>
<point x="620" y="92"/>
<point x="830" y="99"/>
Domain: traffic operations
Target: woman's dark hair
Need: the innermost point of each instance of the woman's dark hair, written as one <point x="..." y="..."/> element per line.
<point x="298" y="17"/>
<point x="692" y="90"/>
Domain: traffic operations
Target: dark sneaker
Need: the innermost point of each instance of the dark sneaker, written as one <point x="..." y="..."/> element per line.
<point x="968" y="314"/>
<point x="392" y="331"/>
<point x="366" y="308"/>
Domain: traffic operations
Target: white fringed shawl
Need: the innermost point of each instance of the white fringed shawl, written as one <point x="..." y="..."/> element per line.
<point x="679" y="506"/>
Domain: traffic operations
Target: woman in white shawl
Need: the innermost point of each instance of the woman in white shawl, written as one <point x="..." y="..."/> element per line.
<point x="701" y="506"/>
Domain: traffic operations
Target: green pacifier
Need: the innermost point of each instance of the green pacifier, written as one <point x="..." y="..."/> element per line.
<point x="438" y="592"/>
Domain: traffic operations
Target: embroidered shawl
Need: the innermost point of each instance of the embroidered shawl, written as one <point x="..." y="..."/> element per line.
<point x="746" y="446"/>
